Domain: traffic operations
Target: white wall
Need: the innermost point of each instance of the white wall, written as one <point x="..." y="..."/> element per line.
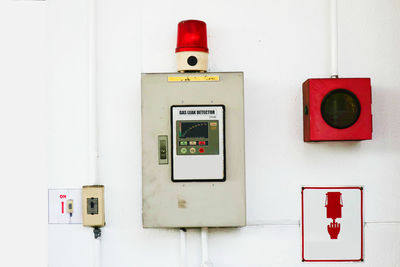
<point x="23" y="129"/>
<point x="278" y="45"/>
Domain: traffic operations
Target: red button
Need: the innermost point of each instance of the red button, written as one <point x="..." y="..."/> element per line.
<point x="202" y="143"/>
<point x="201" y="150"/>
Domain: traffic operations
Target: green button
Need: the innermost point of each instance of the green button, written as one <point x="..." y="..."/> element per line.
<point x="183" y="150"/>
<point x="183" y="143"/>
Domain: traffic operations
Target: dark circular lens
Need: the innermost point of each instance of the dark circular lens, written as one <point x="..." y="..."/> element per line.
<point x="192" y="60"/>
<point x="340" y="108"/>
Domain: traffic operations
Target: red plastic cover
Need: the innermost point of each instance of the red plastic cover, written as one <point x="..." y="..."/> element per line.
<point x="192" y="36"/>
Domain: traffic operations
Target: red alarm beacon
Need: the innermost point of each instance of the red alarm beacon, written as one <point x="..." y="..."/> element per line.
<point x="337" y="109"/>
<point x="191" y="49"/>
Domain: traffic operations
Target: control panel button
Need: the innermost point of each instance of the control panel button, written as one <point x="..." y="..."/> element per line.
<point x="202" y="143"/>
<point x="201" y="150"/>
<point x="192" y="150"/>
<point x="183" y="150"/>
<point x="183" y="143"/>
<point x="192" y="143"/>
<point x="213" y="124"/>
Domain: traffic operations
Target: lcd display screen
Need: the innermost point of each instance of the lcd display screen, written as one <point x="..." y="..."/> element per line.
<point x="193" y="129"/>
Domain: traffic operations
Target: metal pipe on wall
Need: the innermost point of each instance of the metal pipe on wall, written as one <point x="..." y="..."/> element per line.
<point x="183" y="257"/>
<point x="92" y="92"/>
<point x="334" y="40"/>
<point x="92" y="112"/>
<point x="204" y="248"/>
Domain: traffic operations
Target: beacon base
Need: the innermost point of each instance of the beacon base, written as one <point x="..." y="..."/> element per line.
<point x="191" y="61"/>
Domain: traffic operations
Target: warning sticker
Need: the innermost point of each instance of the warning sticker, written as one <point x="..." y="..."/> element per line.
<point x="193" y="78"/>
<point x="332" y="224"/>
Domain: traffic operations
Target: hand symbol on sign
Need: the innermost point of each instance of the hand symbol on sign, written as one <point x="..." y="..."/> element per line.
<point x="334" y="229"/>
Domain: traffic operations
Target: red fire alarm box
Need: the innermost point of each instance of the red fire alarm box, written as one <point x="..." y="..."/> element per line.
<point x="337" y="109"/>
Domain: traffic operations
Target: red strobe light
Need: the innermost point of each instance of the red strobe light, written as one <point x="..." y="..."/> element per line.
<point x="337" y="109"/>
<point x="191" y="48"/>
<point x="192" y="36"/>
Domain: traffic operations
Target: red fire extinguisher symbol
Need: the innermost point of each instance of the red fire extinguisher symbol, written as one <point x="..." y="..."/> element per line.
<point x="333" y="204"/>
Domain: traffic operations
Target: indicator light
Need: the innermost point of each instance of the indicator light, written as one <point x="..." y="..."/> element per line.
<point x="192" y="36"/>
<point x="201" y="150"/>
<point x="340" y="108"/>
<point x="191" y="48"/>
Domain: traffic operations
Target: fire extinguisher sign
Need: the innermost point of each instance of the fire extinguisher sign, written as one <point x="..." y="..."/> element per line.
<point x="332" y="224"/>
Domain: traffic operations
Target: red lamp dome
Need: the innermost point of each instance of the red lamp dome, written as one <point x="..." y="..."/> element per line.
<point x="192" y="36"/>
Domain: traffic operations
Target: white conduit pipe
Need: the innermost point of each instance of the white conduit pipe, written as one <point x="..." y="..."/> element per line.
<point x="183" y="259"/>
<point x="92" y="120"/>
<point x="96" y="252"/>
<point x="334" y="40"/>
<point x="92" y="96"/>
<point x="204" y="248"/>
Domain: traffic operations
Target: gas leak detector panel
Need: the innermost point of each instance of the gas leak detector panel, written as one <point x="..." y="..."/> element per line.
<point x="193" y="171"/>
<point x="198" y="143"/>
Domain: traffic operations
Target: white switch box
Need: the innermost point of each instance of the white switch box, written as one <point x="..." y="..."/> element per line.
<point x="58" y="200"/>
<point x="93" y="205"/>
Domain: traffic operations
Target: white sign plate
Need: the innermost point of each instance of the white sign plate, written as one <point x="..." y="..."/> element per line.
<point x="332" y="224"/>
<point x="58" y="206"/>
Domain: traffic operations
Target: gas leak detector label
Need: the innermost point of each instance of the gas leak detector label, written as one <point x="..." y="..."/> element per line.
<point x="197" y="112"/>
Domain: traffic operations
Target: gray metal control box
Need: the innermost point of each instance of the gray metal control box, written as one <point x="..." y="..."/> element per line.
<point x="193" y="165"/>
